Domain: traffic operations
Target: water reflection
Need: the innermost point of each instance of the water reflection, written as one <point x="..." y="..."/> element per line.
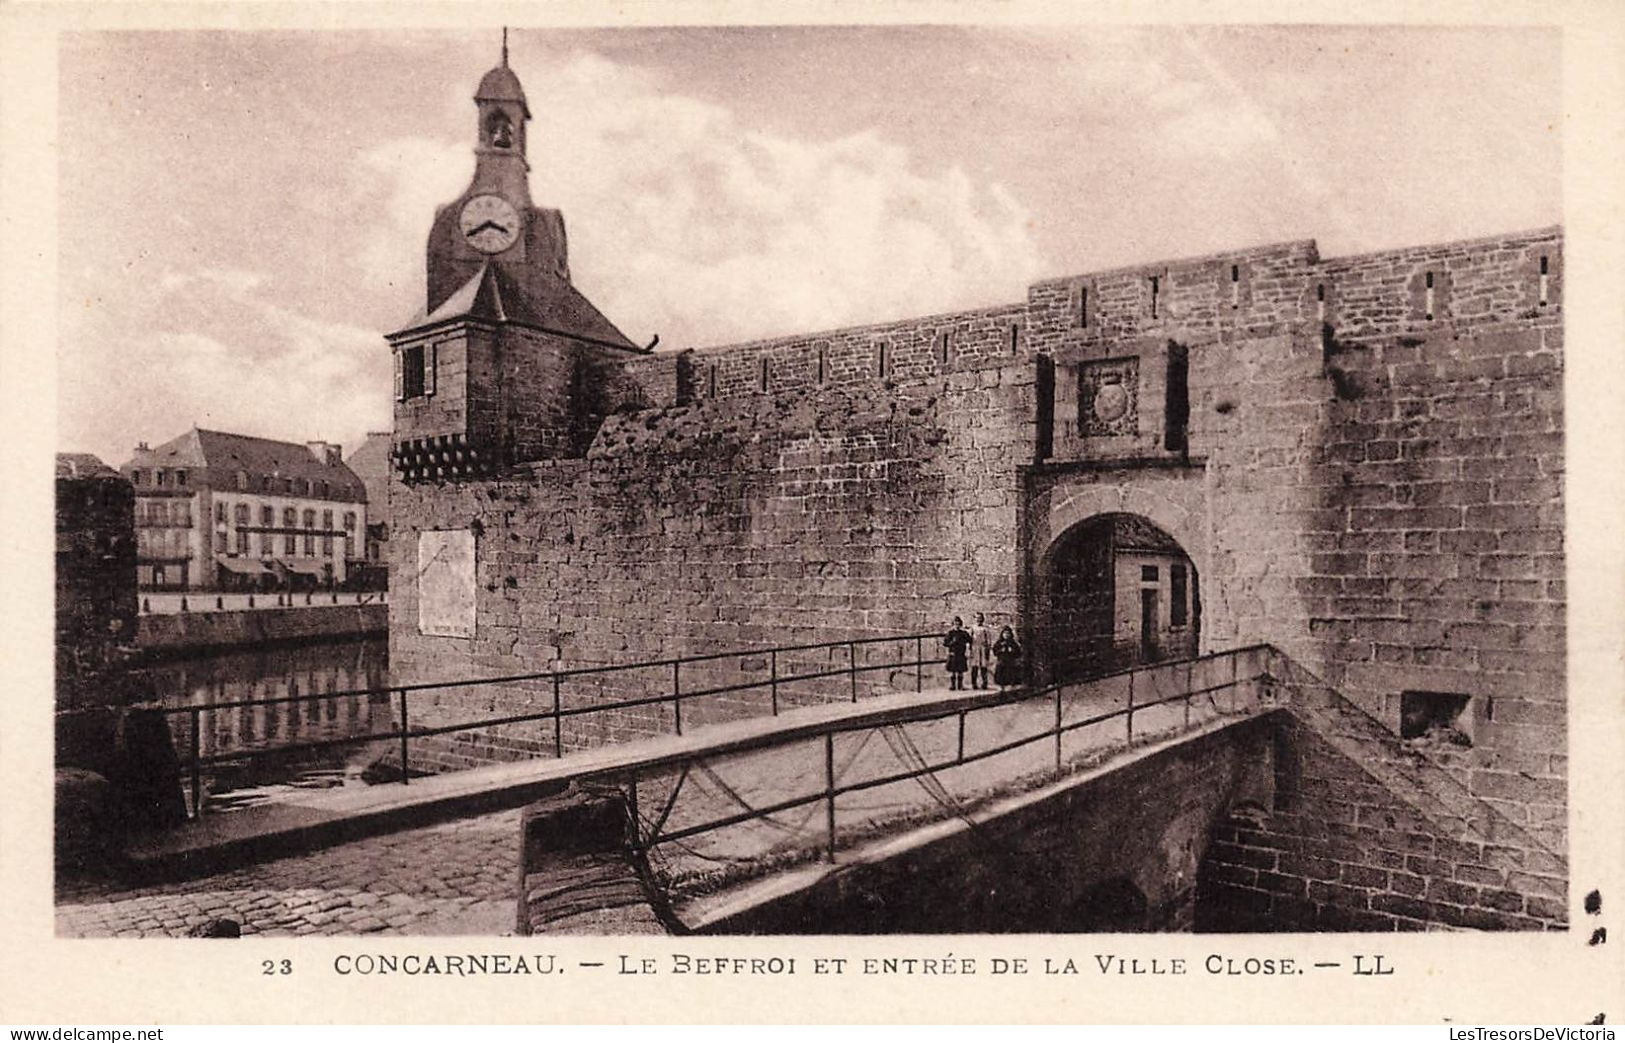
<point x="309" y="673"/>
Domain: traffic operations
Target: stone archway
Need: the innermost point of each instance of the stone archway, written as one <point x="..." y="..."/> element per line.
<point x="1062" y="508"/>
<point x="1114" y="590"/>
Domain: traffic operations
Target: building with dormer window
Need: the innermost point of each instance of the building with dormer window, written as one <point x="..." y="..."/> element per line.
<point x="219" y="511"/>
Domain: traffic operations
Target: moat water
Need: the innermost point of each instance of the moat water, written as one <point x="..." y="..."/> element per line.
<point x="311" y="673"/>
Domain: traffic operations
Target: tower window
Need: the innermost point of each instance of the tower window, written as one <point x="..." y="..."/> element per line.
<point x="942" y="346"/>
<point x="1083" y="306"/>
<point x="765" y="372"/>
<point x="499" y="131"/>
<point x="1156" y="289"/>
<point x="711" y="381"/>
<point x="823" y="363"/>
<point x="1545" y="281"/>
<point x="412" y="372"/>
<point x="881" y="361"/>
<point x="1428" y="306"/>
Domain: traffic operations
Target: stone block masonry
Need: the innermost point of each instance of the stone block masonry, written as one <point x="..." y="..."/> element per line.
<point x="1361" y="457"/>
<point x="1341" y="852"/>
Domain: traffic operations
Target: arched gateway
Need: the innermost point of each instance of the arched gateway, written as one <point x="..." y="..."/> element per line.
<point x="1115" y="581"/>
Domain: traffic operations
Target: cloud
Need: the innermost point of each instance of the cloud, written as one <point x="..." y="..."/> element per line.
<point x="684" y="221"/>
<point x="1217" y="129"/>
<point x="215" y="349"/>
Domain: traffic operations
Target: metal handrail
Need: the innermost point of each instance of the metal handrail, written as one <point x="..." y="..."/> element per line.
<point x="829" y="730"/>
<point x="557" y="713"/>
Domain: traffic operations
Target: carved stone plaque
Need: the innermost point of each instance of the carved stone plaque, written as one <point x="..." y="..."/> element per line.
<point x="1109" y="397"/>
<point x="446" y="583"/>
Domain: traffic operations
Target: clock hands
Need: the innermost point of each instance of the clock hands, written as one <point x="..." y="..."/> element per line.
<point x="477" y="229"/>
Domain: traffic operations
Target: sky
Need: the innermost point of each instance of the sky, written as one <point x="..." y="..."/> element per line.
<point x="243" y="215"/>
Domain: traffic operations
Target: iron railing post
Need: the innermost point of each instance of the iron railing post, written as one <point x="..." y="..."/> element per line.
<point x="773" y="672"/>
<point x="558" y="720"/>
<point x="677" y="694"/>
<point x="852" y="667"/>
<point x="1130" y="714"/>
<point x="406" y="771"/>
<point x="633" y="824"/>
<point x="1057" y="731"/>
<point x="197" y="762"/>
<point x="919" y="665"/>
<point x="829" y="795"/>
<point x="961" y="757"/>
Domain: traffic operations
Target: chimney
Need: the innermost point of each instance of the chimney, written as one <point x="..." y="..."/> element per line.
<point x="328" y="454"/>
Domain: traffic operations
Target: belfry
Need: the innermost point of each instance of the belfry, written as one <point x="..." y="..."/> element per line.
<point x="494" y="369"/>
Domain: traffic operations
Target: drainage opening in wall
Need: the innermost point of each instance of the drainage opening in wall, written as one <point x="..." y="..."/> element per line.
<point x="1435" y="718"/>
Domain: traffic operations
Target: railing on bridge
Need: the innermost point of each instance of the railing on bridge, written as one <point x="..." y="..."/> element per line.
<point x="774" y="684"/>
<point x="163" y="603"/>
<point x="731" y="811"/>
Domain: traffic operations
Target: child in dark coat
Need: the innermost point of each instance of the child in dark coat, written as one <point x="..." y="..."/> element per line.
<point x="957" y="641"/>
<point x="1008" y="653"/>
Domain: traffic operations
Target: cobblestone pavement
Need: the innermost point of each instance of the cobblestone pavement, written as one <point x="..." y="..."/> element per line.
<point x="454" y="878"/>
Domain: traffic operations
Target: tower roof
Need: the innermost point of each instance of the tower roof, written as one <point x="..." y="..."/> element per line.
<point x="500" y="84"/>
<point x="552" y="305"/>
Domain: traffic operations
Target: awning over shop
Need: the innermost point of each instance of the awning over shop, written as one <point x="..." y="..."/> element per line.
<point x="243" y="566"/>
<point x="304" y="568"/>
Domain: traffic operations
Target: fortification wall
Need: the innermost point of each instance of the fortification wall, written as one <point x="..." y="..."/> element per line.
<point x="759" y="520"/>
<point x="1370" y="476"/>
<point x="1379" y="494"/>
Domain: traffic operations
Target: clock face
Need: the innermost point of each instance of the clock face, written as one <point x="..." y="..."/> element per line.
<point x="489" y="223"/>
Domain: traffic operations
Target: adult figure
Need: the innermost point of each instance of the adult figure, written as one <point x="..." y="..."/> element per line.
<point x="1008" y="651"/>
<point x="981" y="652"/>
<point x="957" y="642"/>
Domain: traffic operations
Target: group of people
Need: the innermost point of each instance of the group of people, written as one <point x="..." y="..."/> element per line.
<point x="975" y="649"/>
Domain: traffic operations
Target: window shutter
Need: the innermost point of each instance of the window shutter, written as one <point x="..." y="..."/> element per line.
<point x="400" y="385"/>
<point x="431" y="369"/>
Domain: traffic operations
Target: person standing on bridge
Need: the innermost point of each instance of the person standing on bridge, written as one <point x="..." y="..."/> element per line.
<point x="1008" y="651"/>
<point x="957" y="642"/>
<point x="981" y="652"/>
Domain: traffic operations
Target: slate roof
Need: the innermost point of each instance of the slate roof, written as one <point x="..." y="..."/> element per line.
<point x="1131" y="532"/>
<point x="500" y="84"/>
<point x="492" y="295"/>
<point x="213" y="459"/>
<point x="82" y="465"/>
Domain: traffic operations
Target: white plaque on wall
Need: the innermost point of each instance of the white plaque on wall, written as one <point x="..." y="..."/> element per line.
<point x="446" y="583"/>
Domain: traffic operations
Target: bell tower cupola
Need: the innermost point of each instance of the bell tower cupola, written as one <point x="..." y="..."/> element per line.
<point x="500" y="136"/>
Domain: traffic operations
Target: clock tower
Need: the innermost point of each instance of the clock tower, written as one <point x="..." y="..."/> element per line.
<point x="506" y="361"/>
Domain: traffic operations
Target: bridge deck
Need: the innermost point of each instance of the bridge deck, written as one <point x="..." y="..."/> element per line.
<point x="333" y="816"/>
<point x="709" y="912"/>
<point x="762" y="749"/>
